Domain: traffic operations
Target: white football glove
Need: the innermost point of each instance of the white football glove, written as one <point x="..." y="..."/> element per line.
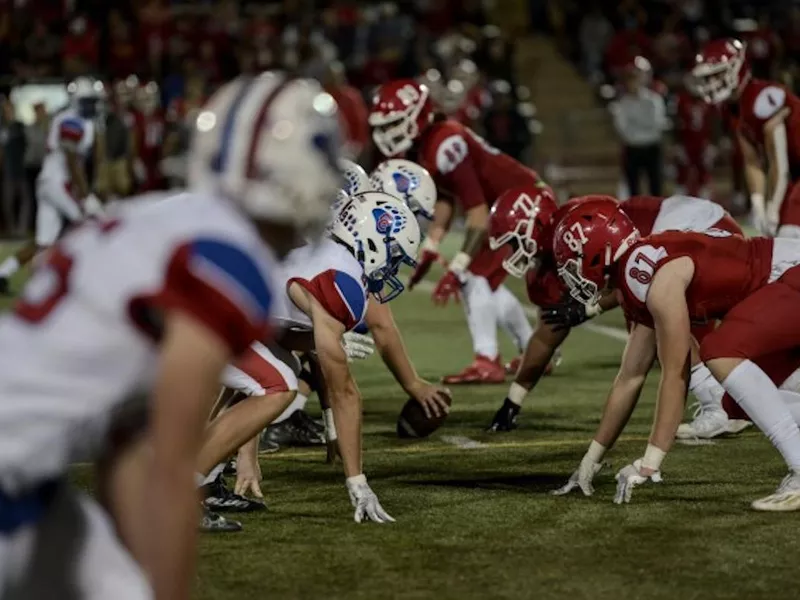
<point x="582" y="478"/>
<point x="92" y="207"/>
<point x="366" y="503"/>
<point x="629" y="477"/>
<point x="357" y="346"/>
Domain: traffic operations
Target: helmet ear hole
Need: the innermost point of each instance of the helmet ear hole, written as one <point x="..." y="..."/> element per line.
<point x="595" y="260"/>
<point x="371" y="245"/>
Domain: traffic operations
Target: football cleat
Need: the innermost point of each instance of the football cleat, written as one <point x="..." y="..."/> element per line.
<point x="295" y="431"/>
<point x="266" y="446"/>
<point x="710" y="423"/>
<point x="311" y="422"/>
<point x="230" y="467"/>
<point x="505" y="419"/>
<point x="211" y="522"/>
<point x="482" y="370"/>
<point x="219" y="498"/>
<point x="785" y="499"/>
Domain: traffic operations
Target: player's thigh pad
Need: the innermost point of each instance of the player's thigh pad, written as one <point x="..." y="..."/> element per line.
<point x="260" y="371"/>
<point x="72" y="552"/>
<point x="763" y="323"/>
<point x="48" y="224"/>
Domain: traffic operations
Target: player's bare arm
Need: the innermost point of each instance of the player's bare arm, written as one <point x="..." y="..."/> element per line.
<point x="477" y="222"/>
<point x="389" y="342"/>
<point x="756" y="180"/>
<point x="666" y="302"/>
<point x="538" y="353"/>
<point x="442" y="218"/>
<point x="637" y="359"/>
<point x="775" y="145"/>
<point x="191" y="362"/>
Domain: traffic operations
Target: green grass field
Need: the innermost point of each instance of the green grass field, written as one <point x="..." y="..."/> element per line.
<point x="479" y="523"/>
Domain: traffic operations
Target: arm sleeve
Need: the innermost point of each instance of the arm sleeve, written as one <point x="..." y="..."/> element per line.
<point x="223" y="287"/>
<point x="340" y="294"/>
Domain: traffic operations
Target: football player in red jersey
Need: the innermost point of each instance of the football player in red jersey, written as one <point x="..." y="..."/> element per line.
<point x="666" y="282"/>
<point x="694" y="151"/>
<point x="472" y="174"/>
<point x="149" y="129"/>
<point x="524" y="219"/>
<point x="766" y="118"/>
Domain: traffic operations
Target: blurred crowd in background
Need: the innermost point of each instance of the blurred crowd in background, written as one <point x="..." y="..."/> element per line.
<point x="160" y="59"/>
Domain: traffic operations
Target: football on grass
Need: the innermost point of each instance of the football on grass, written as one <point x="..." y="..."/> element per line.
<point x="412" y="422"/>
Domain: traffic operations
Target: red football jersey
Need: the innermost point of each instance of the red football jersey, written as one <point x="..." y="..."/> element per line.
<point x="694" y="118"/>
<point x="466" y="167"/>
<point x="149" y="131"/>
<point x="727" y="270"/>
<point x="759" y="102"/>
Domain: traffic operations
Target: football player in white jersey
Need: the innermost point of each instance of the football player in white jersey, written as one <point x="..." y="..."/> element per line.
<point x="151" y="306"/>
<point x="63" y="193"/>
<point x="326" y="290"/>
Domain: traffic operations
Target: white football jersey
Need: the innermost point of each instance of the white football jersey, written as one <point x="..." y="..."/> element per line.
<point x="333" y="276"/>
<point x="82" y="342"/>
<point x="67" y="130"/>
<point x="687" y="213"/>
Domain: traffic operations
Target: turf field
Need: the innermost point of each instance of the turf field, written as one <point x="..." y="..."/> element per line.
<point x="478" y="522"/>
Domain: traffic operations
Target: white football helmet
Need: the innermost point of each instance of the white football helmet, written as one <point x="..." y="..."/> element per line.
<point x="382" y="234"/>
<point x="356" y="178"/>
<point x="271" y="144"/>
<point x="85" y="95"/>
<point x="408" y="181"/>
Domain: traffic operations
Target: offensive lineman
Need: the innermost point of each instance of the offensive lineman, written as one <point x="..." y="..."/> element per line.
<point x="153" y="303"/>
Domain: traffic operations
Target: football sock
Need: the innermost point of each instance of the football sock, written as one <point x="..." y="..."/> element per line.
<point x="705" y="388"/>
<point x="512" y="318"/>
<point x="299" y="403"/>
<point x="479" y="306"/>
<point x="754" y="391"/>
<point x="9" y="266"/>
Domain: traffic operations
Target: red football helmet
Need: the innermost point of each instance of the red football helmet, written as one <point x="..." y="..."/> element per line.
<point x="589" y="239"/>
<point x="523" y="218"/>
<point x="720" y="69"/>
<point x="401" y="111"/>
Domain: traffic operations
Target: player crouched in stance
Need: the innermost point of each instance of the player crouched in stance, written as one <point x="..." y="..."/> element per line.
<point x="666" y="282"/>
<point x="470" y="174"/>
<point x="154" y="303"/>
<point x="63" y="193"/>
<point x="325" y="291"/>
<point x="524" y="220"/>
<point x="766" y="119"/>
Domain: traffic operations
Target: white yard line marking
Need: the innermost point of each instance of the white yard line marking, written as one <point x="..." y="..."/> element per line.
<point x="462" y="442"/>
<point x="615" y="333"/>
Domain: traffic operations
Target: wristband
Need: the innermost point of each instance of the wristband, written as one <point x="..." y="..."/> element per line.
<point x="653" y="457"/>
<point x="596" y="452"/>
<point x="356" y="480"/>
<point x="517" y="393"/>
<point x="430" y="245"/>
<point x="460" y="263"/>
<point x="330" y="428"/>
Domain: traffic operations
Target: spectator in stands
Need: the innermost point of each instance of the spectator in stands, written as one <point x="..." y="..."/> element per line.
<point x="154" y="24"/>
<point x="41" y="52"/>
<point x="80" y="51"/>
<point x="16" y="195"/>
<point x="764" y="48"/>
<point x="505" y="128"/>
<point x="640" y="118"/>
<point x="595" y="33"/>
<point x="124" y="56"/>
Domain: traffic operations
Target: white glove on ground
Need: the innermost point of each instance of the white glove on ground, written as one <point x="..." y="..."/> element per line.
<point x="582" y="478"/>
<point x="629" y="477"/>
<point x="366" y="503"/>
<point x="357" y="346"/>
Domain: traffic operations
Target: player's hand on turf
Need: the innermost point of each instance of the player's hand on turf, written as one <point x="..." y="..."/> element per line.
<point x="366" y="503"/>
<point x="357" y="346"/>
<point x="248" y="476"/>
<point x="582" y="478"/>
<point x="631" y="476"/>
<point x="433" y="398"/>
<point x="424" y="264"/>
<point x="505" y="419"/>
<point x="567" y="314"/>
<point x="448" y="287"/>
